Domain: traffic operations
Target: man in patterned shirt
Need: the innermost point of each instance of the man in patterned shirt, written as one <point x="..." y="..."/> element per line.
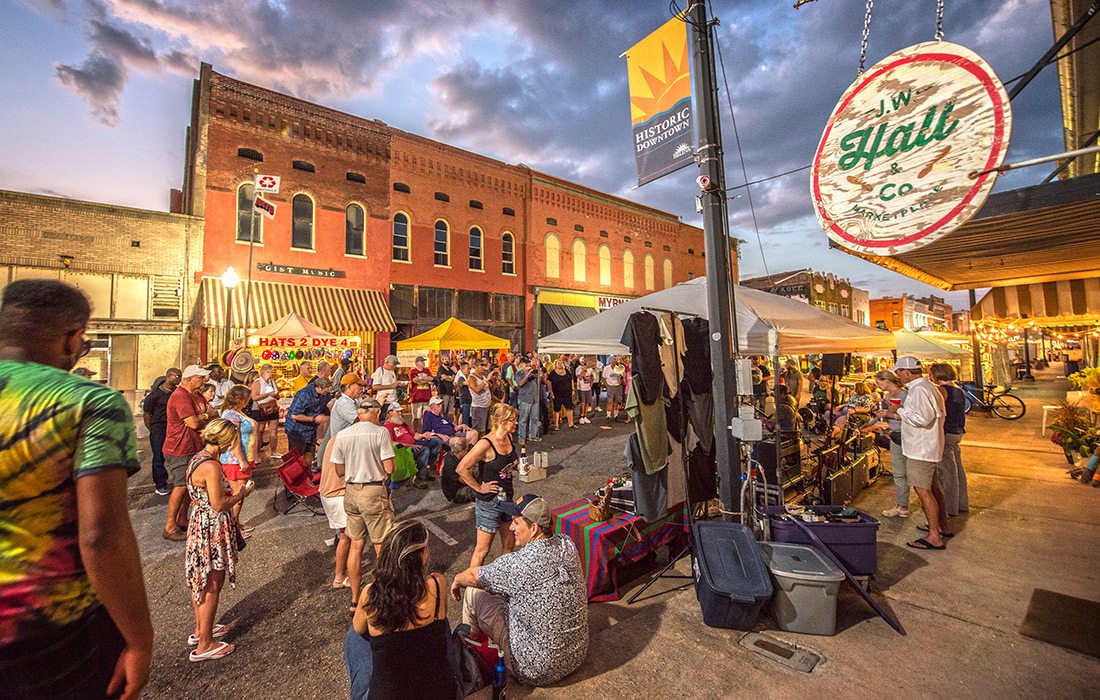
<point x="74" y="619"/>
<point x="532" y="602"/>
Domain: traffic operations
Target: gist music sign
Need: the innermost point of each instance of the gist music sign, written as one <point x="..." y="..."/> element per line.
<point x="895" y="169"/>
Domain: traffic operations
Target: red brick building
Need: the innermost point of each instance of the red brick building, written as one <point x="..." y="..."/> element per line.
<point x="383" y="234"/>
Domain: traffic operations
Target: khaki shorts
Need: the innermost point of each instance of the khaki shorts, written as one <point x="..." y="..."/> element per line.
<point x="177" y="469"/>
<point x="920" y="473"/>
<point x="369" y="511"/>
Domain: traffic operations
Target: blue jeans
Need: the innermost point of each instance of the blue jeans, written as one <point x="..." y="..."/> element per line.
<point x="432" y="448"/>
<point x="156" y="445"/>
<point x="528" y="421"/>
<point x="464" y="409"/>
<point x="360" y="664"/>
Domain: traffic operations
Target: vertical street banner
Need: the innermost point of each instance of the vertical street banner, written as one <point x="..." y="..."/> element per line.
<point x="659" y="71"/>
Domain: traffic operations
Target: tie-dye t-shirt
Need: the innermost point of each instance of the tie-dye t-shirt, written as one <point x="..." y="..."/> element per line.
<point x="54" y="428"/>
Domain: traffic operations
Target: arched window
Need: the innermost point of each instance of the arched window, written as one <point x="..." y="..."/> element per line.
<point x="353" y="230"/>
<point x="667" y="270"/>
<point x="605" y="265"/>
<point x="442" y="243"/>
<point x="508" y="254"/>
<point x="648" y="264"/>
<point x="628" y="269"/>
<point x="400" y="237"/>
<point x="244" y="215"/>
<point x="476" y="257"/>
<point x="553" y="256"/>
<point x="580" y="259"/>
<point x="301" y="232"/>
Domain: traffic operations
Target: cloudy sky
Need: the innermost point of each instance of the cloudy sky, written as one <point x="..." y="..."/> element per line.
<point x="97" y="92"/>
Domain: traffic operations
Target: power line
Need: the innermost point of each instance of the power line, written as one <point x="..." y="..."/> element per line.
<point x="741" y="155"/>
<point x="770" y="177"/>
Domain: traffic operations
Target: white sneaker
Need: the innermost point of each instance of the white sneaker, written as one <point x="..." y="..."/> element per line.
<point x="896" y="512"/>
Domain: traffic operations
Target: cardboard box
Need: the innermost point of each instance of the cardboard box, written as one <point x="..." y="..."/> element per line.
<point x="533" y="474"/>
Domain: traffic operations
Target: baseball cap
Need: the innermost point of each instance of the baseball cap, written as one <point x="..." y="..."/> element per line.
<point x="907" y="362"/>
<point x="194" y="371"/>
<point x="84" y="372"/>
<point x="369" y="403"/>
<point x="393" y="407"/>
<point x="530" y="507"/>
<point x="421" y="359"/>
<point x="392" y="359"/>
<point x="434" y="400"/>
<point x="350" y="378"/>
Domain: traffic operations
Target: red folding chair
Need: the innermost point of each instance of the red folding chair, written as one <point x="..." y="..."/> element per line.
<point x="298" y="483"/>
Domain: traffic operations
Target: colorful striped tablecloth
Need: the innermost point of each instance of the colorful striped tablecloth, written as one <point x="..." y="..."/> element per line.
<point x="606" y="547"/>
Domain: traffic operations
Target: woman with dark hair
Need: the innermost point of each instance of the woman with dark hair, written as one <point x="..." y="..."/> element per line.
<point x="561" y="392"/>
<point x="399" y="644"/>
<point x="950" y="470"/>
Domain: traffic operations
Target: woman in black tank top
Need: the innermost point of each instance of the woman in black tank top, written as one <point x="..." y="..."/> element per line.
<point x="488" y="469"/>
<point x="399" y="645"/>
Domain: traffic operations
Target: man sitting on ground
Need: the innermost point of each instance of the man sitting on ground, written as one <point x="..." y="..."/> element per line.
<point x="532" y="602"/>
<point x="425" y="450"/>
<point x="453" y="489"/>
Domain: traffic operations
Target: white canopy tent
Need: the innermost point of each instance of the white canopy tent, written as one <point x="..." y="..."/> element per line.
<point x="766" y="324"/>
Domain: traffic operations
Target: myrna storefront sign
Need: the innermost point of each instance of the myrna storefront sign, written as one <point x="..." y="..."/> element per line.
<point x="904" y="157"/>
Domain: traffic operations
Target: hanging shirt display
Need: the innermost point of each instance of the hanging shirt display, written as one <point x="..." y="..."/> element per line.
<point x="650" y="490"/>
<point x="651" y="429"/>
<point x="671" y="351"/>
<point x="697" y="355"/>
<point x="642" y="337"/>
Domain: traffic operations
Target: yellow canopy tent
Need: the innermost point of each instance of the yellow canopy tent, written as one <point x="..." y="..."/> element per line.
<point x="453" y="334"/>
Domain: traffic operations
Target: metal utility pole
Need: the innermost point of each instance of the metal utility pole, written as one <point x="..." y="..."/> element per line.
<point x="720" y="293"/>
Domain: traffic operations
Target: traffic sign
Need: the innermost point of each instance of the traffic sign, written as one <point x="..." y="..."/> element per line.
<point x="265" y="207"/>
<point x="268" y="184"/>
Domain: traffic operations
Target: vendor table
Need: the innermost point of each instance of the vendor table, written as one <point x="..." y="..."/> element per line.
<point x="606" y="547"/>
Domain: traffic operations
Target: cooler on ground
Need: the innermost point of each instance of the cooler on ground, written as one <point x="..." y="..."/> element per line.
<point x="806" y="587"/>
<point x="731" y="579"/>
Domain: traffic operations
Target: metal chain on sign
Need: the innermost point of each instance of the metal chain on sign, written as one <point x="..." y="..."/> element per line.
<point x="939" y="20"/>
<point x="866" y="34"/>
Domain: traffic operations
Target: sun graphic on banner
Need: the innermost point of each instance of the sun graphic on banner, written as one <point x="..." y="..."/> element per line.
<point x="660" y="73"/>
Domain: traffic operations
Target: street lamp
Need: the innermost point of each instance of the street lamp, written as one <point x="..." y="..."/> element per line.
<point x="230" y="279"/>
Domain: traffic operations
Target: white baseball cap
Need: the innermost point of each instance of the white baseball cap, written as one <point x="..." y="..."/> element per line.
<point x="394" y="407"/>
<point x="907" y="362"/>
<point x="195" y="371"/>
<point x="434" y="400"/>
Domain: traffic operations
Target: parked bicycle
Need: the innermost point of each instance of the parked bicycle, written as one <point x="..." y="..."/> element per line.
<point x="1001" y="403"/>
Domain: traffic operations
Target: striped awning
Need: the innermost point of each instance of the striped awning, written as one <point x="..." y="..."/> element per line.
<point x="336" y="309"/>
<point x="1063" y="303"/>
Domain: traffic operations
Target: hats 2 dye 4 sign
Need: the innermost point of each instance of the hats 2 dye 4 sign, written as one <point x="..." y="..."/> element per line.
<point x="895" y="167"/>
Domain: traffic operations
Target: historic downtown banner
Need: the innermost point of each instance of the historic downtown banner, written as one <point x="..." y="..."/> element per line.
<point x="659" y="69"/>
<point x="909" y="153"/>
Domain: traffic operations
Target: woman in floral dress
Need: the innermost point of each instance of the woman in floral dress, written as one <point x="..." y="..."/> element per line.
<point x="211" y="538"/>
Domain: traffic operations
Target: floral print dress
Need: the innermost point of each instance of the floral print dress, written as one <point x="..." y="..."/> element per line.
<point x="211" y="539"/>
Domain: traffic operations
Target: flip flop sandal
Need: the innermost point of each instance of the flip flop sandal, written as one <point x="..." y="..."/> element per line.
<point x="222" y="650"/>
<point x="219" y="632"/>
<point x="945" y="535"/>
<point x="337" y="584"/>
<point x="923" y="544"/>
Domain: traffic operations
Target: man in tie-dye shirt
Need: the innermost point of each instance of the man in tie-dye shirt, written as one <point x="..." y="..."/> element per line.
<point x="74" y="618"/>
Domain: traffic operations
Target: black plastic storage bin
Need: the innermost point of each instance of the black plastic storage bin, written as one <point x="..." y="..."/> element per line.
<point x="732" y="581"/>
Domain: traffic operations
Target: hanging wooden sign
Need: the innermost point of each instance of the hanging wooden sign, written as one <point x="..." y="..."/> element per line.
<point x="894" y="169"/>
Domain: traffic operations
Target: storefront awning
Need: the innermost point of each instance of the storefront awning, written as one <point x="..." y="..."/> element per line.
<point x="1044" y="233"/>
<point x="1068" y="303"/>
<point x="334" y="309"/>
<point x="562" y="317"/>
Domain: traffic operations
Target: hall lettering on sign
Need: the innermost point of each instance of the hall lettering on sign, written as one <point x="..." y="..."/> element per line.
<point x="894" y="168"/>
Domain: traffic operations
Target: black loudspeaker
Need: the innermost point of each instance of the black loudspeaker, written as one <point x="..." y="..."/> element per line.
<point x="839" y="487"/>
<point x="832" y="364"/>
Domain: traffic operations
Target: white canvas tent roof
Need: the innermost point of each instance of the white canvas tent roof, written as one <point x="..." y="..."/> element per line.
<point x="291" y="326"/>
<point x="763" y="319"/>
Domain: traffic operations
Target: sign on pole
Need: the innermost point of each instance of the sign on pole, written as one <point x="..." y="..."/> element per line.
<point x="265" y="207"/>
<point x="268" y="184"/>
<point x="659" y="72"/>
<point x="904" y="157"/>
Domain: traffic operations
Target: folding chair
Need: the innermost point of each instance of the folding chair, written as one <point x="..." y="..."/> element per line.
<point x="297" y="483"/>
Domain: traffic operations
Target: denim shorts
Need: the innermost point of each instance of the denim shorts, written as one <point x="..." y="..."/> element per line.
<point x="488" y="517"/>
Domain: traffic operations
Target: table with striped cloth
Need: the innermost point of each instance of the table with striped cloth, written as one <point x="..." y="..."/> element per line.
<point x="608" y="546"/>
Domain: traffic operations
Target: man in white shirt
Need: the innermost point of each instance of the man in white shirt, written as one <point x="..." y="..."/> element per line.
<point x="384" y="381"/>
<point x="363" y="453"/>
<point x="922" y="416"/>
<point x="221" y="386"/>
<point x="480" y="397"/>
<point x="613" y="380"/>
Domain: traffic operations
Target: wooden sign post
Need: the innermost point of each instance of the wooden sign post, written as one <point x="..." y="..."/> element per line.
<point x="895" y="167"/>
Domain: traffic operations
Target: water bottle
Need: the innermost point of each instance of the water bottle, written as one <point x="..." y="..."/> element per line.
<point x="500" y="677"/>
